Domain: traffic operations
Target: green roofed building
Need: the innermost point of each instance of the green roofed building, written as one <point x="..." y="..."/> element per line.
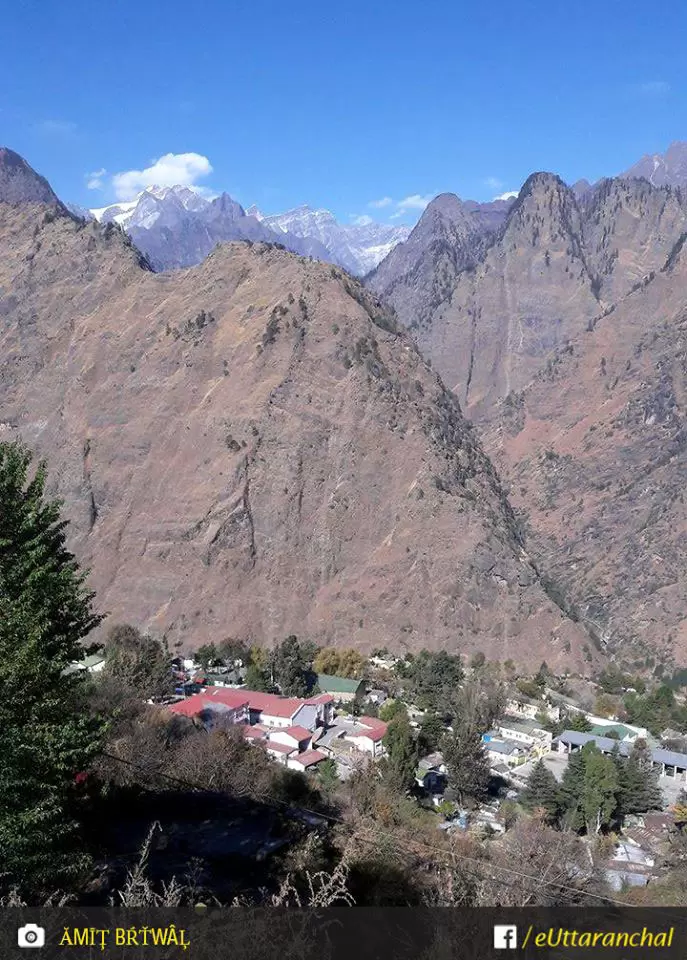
<point x="341" y="688"/>
<point x="616" y="730"/>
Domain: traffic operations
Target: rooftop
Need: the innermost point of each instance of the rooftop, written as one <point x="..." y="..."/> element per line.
<point x="603" y="730"/>
<point x="524" y="726"/>
<point x="658" y="755"/>
<point x="298" y="733"/>
<point x="310" y="757"/>
<point x="332" y="684"/>
<point x="506" y="747"/>
<point x="279" y="747"/>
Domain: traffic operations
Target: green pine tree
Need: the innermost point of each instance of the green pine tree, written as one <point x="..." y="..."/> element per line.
<point x="638" y="782"/>
<point x="599" y="790"/>
<point x="292" y="670"/>
<point x="542" y="792"/>
<point x="401" y="761"/>
<point x="46" y="735"/>
<point x="571" y="791"/>
<point x="466" y="762"/>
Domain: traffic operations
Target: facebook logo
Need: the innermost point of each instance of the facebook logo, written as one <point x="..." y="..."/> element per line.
<point x="505" y="937"/>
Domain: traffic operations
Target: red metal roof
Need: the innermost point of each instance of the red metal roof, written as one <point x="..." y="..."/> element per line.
<point x="192" y="706"/>
<point x="235" y="699"/>
<point x="298" y="733"/>
<point x="281" y="747"/>
<point x="376" y="727"/>
<point x="310" y="757"/>
<point x="252" y="733"/>
<point x="272" y="705"/>
<point x="321" y="698"/>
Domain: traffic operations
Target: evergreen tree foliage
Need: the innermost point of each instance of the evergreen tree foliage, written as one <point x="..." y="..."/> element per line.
<point x="401" y="760"/>
<point x="139" y="662"/>
<point x="466" y="762"/>
<point x="256" y="679"/>
<point x="571" y="790"/>
<point x="390" y="709"/>
<point x="46" y="735"/>
<point x="542" y="792"/>
<point x="599" y="791"/>
<point x="433" y="678"/>
<point x="292" y="670"/>
<point x="431" y="733"/>
<point x="638" y="782"/>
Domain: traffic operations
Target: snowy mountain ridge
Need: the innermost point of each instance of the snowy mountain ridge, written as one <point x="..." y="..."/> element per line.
<point x="174" y="226"/>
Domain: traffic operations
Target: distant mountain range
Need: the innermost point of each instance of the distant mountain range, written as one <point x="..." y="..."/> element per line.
<point x="177" y="227"/>
<point x="261" y="424"/>
<point x="667" y="169"/>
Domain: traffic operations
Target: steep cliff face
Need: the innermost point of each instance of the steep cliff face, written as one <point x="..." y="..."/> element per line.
<point x="420" y="274"/>
<point x="595" y="452"/>
<point x="629" y="229"/>
<point x="531" y="290"/>
<point x="490" y="309"/>
<point x="249" y="448"/>
<point x="565" y="342"/>
<point x="19" y="183"/>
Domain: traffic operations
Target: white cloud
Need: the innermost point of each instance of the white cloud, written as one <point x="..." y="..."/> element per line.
<point x="361" y="220"/>
<point x="653" y="88"/>
<point x="94" y="180"/>
<point x="167" y="171"/>
<point x="414" y="202"/>
<point x="508" y="195"/>
<point x="378" y="204"/>
<point x="494" y="183"/>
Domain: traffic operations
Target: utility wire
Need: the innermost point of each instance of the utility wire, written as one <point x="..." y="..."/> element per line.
<point x="479" y="865"/>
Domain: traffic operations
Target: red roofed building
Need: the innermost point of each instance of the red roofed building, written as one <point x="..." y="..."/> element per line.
<point x="297" y="737"/>
<point x="304" y="761"/>
<point x="252" y="706"/>
<point x="211" y="711"/>
<point x="370" y="738"/>
<point x="279" y="751"/>
<point x="325" y="708"/>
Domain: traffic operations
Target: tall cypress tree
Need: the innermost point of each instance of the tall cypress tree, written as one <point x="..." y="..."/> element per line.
<point x="466" y="761"/>
<point x="542" y="792"/>
<point x="402" y="756"/>
<point x="638" y="782"/>
<point x="571" y="790"/>
<point x="46" y="737"/>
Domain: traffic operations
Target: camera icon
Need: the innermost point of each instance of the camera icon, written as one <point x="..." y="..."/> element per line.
<point x="31" y="935"/>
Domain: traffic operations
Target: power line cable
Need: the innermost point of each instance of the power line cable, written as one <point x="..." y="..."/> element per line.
<point x="479" y="865"/>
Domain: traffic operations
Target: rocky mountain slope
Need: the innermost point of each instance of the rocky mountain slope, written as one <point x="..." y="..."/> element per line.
<point x="564" y="337"/>
<point x="248" y="447"/>
<point x="489" y="310"/>
<point x="420" y="273"/>
<point x="19" y="183"/>
<point x="667" y="169"/>
<point x="177" y="227"/>
<point x="595" y="450"/>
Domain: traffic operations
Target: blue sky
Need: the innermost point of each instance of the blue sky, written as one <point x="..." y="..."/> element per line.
<point x="340" y="105"/>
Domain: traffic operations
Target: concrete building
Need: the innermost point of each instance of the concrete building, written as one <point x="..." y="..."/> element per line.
<point x="668" y="763"/>
<point x="525" y="708"/>
<point x="528" y="732"/>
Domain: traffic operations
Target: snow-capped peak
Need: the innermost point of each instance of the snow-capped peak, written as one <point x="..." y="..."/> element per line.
<point x="185" y="214"/>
